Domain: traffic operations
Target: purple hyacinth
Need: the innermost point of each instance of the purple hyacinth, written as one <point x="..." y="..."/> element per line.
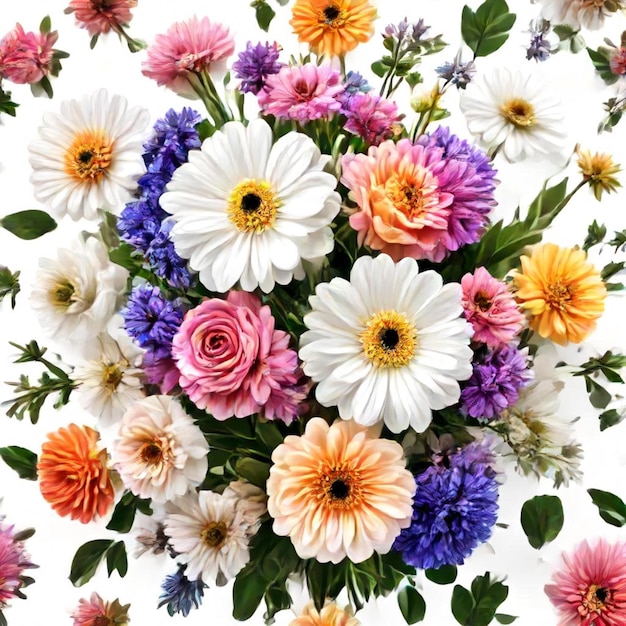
<point x="255" y="64"/>
<point x="164" y="260"/>
<point x="497" y="377"/>
<point x="454" y="511"/>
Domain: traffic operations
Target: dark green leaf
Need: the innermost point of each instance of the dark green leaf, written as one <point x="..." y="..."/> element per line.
<point x="29" y="224"/>
<point x="248" y="592"/>
<point x="117" y="559"/>
<point x="462" y="604"/>
<point x="502" y="618"/>
<point x="611" y="508"/>
<point x="610" y="418"/>
<point x="87" y="559"/>
<point x="412" y="605"/>
<point x="264" y="16"/>
<point x="486" y="30"/>
<point x="124" y="512"/>
<point x="379" y="68"/>
<point x="598" y="395"/>
<point x="444" y="575"/>
<point x="542" y="519"/>
<point x="23" y="461"/>
<point x="601" y="59"/>
<point x="45" y="25"/>
<point x="254" y="471"/>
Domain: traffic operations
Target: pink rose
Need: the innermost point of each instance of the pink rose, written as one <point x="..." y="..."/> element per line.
<point x="25" y="58"/>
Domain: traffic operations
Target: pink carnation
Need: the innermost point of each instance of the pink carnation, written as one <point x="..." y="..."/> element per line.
<point x="101" y="16"/>
<point x="25" y="58"/>
<point x="302" y="92"/>
<point x="187" y="47"/>
<point x="232" y="361"/>
<point x="490" y="308"/>
<point x="371" y="117"/>
<point x="13" y="562"/>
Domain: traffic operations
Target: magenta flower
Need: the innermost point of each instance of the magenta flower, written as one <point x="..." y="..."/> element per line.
<point x="590" y="587"/>
<point x="371" y="117"/>
<point x="25" y="58"/>
<point x="490" y="308"/>
<point x="233" y="362"/>
<point x="13" y="561"/>
<point x="302" y="92"/>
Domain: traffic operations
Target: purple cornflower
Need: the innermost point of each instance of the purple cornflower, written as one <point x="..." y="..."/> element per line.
<point x="454" y="510"/>
<point x="255" y="64"/>
<point x="457" y="72"/>
<point x="497" y="377"/>
<point x="164" y="260"/>
<point x="371" y="117"/>
<point x="181" y="594"/>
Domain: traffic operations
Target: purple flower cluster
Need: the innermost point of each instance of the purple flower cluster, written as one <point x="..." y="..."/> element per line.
<point x="457" y="72"/>
<point x="143" y="222"/>
<point x="454" y="510"/>
<point x="540" y="48"/>
<point x="497" y="377"/>
<point x="255" y="64"/>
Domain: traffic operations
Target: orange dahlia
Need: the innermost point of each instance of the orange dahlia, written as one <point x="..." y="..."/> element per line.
<point x="333" y="27"/>
<point x="562" y="291"/>
<point x="338" y="491"/>
<point x="330" y="615"/>
<point x="73" y="474"/>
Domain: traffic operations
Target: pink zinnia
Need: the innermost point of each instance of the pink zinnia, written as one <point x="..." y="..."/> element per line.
<point x="25" y="58"/>
<point x="97" y="612"/>
<point x="13" y="561"/>
<point x="590" y="588"/>
<point x="490" y="308"/>
<point x="371" y="117"/>
<point x="302" y="92"/>
<point x="617" y="62"/>
<point x="232" y="361"/>
<point x="187" y="48"/>
<point x="101" y="16"/>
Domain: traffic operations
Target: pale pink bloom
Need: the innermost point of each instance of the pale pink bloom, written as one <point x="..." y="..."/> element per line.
<point x="590" y="587"/>
<point x="232" y="360"/>
<point x="371" y="117"/>
<point x="101" y="16"/>
<point x="97" y="612"/>
<point x="25" y="58"/>
<point x="490" y="308"/>
<point x="302" y="92"/>
<point x="13" y="561"/>
<point x="187" y="48"/>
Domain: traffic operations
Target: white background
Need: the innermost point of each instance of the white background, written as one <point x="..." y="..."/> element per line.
<point x="571" y="78"/>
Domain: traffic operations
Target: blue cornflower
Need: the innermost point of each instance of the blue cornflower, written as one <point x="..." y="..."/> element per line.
<point x="164" y="260"/>
<point x="181" y="594"/>
<point x="454" y="511"/>
<point x="457" y="72"/>
<point x="255" y="64"/>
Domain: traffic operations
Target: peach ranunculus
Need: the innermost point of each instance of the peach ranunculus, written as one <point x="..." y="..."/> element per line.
<point x="73" y="473"/>
<point x="330" y="615"/>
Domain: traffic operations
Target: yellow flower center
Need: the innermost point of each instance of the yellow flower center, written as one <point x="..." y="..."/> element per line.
<point x="412" y="196"/>
<point x="339" y="487"/>
<point x="62" y="294"/>
<point x="252" y="206"/>
<point x="482" y="301"/>
<point x="558" y="295"/>
<point x="389" y="339"/>
<point x="214" y="534"/>
<point x="112" y="376"/>
<point x="151" y="453"/>
<point x="89" y="156"/>
<point x="519" y="112"/>
<point x="595" y="600"/>
<point x="332" y="17"/>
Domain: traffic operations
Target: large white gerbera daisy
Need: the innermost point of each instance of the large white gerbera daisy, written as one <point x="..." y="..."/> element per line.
<point x="249" y="211"/>
<point x="387" y="345"/>
<point x="515" y="114"/>
<point x="88" y="156"/>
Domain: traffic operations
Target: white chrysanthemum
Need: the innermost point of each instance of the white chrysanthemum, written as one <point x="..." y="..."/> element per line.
<point x="586" y="13"/>
<point x="76" y="294"/>
<point x="249" y="211"/>
<point x="160" y="452"/>
<point x="515" y="114"/>
<point x="111" y="383"/>
<point x="387" y="345"/>
<point x="88" y="156"/>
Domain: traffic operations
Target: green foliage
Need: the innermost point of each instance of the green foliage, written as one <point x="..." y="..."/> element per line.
<point x="595" y="235"/>
<point x="611" y="417"/>
<point x="486" y="29"/>
<point x="22" y="460"/>
<point x="542" y="519"/>
<point x="124" y="513"/>
<point x="9" y="284"/>
<point x="412" y="605"/>
<point x="569" y="38"/>
<point x="601" y="62"/>
<point x="29" y="224"/>
<point x="444" y="575"/>
<point x="6" y="104"/>
<point x="90" y="554"/>
<point x="264" y="14"/>
<point x="612" y="509"/>
<point x="477" y="607"/>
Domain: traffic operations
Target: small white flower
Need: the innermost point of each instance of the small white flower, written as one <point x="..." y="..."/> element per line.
<point x="76" y="294"/>
<point x="514" y="113"/>
<point x="160" y="452"/>
<point x="387" y="345"/>
<point x="586" y="13"/>
<point x="250" y="212"/>
<point x="88" y="156"/>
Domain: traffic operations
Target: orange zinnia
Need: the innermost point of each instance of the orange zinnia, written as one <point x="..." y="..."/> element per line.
<point x="330" y="615"/>
<point x="333" y="27"/>
<point x="73" y="474"/>
<point x="562" y="291"/>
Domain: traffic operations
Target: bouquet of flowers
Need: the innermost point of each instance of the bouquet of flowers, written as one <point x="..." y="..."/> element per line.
<point x="309" y="338"/>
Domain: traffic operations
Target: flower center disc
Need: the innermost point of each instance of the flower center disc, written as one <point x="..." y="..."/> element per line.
<point x="62" y="294"/>
<point x="414" y="195"/>
<point x="339" y="487"/>
<point x="389" y="339"/>
<point x="89" y="156"/>
<point x="214" y="534"/>
<point x="519" y="112"/>
<point x="596" y="600"/>
<point x="332" y="17"/>
<point x="151" y="453"/>
<point x="252" y="206"/>
<point x="558" y="295"/>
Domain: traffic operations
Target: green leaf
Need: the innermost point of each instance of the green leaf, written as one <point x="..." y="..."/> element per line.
<point x="611" y="508"/>
<point x="379" y="68"/>
<point x="462" y="604"/>
<point x="87" y="559"/>
<point x="117" y="559"/>
<point x="23" y="461"/>
<point x="29" y="224"/>
<point x="125" y="510"/>
<point x="598" y="395"/>
<point x="9" y="284"/>
<point x="253" y="471"/>
<point x="542" y="519"/>
<point x="264" y="15"/>
<point x="248" y="592"/>
<point x="502" y="618"/>
<point x="486" y="30"/>
<point x="444" y="575"/>
<point x="412" y="605"/>
<point x="45" y="25"/>
<point x="601" y="59"/>
<point x="610" y="418"/>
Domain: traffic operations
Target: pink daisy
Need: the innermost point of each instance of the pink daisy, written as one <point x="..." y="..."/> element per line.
<point x="101" y="16"/>
<point x="302" y="92"/>
<point x="590" y="588"/>
<point x="490" y="308"/>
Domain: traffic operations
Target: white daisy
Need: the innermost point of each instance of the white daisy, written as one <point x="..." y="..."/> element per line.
<point x="387" y="345"/>
<point x="76" y="294"/>
<point x="586" y="13"/>
<point x="160" y="452"/>
<point x="249" y="211"/>
<point x="88" y="156"/>
<point x="514" y="113"/>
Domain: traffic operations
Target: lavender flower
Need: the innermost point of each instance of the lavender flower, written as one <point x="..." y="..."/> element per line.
<point x="457" y="72"/>
<point x="181" y="594"/>
<point x="255" y="64"/>
<point x="540" y="48"/>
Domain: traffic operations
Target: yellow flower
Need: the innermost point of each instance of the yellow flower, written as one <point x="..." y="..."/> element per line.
<point x="562" y="291"/>
<point x="333" y="27"/>
<point x="599" y="171"/>
<point x="330" y="615"/>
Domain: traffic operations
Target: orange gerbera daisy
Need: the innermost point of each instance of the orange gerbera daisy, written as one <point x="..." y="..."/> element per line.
<point x="333" y="27"/>
<point x="73" y="474"/>
<point x="562" y="291"/>
<point x="338" y="491"/>
<point x="330" y="615"/>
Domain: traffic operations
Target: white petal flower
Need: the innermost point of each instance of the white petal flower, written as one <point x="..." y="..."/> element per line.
<point x="387" y="345"/>
<point x="586" y="13"/>
<point x="76" y="294"/>
<point x="250" y="212"/>
<point x="88" y="156"/>
<point x="514" y="113"/>
<point x="160" y="452"/>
